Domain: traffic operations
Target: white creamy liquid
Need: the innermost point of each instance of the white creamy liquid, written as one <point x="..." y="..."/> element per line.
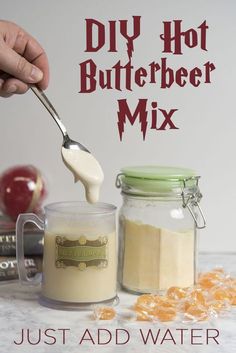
<point x="86" y="169"/>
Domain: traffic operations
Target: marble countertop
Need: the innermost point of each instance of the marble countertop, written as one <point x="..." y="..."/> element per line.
<point x="76" y="332"/>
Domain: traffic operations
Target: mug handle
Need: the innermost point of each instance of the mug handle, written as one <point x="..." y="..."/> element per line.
<point x="20" y="256"/>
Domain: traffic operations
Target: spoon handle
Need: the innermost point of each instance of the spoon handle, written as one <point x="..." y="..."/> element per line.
<point x="48" y="105"/>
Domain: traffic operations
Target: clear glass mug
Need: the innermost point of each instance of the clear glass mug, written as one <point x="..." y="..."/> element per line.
<point x="79" y="258"/>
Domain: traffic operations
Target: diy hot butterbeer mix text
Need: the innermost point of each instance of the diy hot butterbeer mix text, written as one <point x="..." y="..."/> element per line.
<point x="125" y="76"/>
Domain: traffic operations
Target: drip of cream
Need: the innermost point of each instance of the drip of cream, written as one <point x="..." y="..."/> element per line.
<point x="86" y="169"/>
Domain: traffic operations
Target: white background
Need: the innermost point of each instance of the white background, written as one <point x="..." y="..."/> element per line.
<point x="205" y="140"/>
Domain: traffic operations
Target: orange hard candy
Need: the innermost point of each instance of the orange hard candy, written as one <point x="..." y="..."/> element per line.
<point x="213" y="275"/>
<point x="198" y="296"/>
<point x="232" y="292"/>
<point x="146" y="300"/>
<point x="142" y="309"/>
<point x="215" y="292"/>
<point x="207" y="283"/>
<point x="176" y="293"/>
<point x="210" y="279"/>
<point x="217" y="305"/>
<point x="231" y="282"/>
<point x="104" y="313"/>
<point x="143" y="317"/>
<point x="168" y="304"/>
<point x="165" y="314"/>
<point x="143" y="313"/>
<point x="197" y="313"/>
<point x="222" y="294"/>
<point x="219" y="270"/>
<point x="186" y="305"/>
<point x="165" y="302"/>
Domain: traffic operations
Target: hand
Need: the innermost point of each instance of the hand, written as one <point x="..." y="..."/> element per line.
<point x="22" y="61"/>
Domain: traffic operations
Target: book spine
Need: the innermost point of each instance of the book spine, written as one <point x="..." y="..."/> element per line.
<point x="33" y="244"/>
<point x="9" y="271"/>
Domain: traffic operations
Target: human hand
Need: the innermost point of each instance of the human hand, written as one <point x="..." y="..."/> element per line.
<point x="22" y="61"/>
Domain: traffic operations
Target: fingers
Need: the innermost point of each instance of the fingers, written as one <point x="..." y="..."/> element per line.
<point x="23" y="59"/>
<point x="10" y="85"/>
<point x="32" y="51"/>
<point x="2" y="93"/>
<point x="17" y="66"/>
<point x="42" y="63"/>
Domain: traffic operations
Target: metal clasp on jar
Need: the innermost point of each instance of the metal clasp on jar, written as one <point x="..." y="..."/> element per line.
<point x="191" y="198"/>
<point x="118" y="180"/>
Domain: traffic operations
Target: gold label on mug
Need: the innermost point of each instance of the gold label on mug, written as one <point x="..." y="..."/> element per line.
<point x="81" y="253"/>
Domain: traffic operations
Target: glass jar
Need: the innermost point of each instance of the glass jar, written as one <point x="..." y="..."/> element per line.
<point x="157" y="228"/>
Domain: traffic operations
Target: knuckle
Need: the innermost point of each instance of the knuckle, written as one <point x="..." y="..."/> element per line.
<point x="22" y="66"/>
<point x="21" y="38"/>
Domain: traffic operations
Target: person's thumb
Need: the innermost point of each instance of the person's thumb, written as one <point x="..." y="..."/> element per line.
<point x="17" y="66"/>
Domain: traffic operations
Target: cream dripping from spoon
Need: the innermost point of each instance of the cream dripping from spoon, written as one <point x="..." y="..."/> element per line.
<point x="85" y="168"/>
<point x="76" y="156"/>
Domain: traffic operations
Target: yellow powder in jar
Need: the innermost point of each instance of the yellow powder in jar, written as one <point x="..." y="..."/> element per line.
<point x="156" y="258"/>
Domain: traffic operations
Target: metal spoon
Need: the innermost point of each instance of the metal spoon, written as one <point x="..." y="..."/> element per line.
<point x="67" y="142"/>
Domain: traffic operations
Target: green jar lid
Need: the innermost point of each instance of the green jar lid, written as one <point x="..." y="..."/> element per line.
<point x="158" y="172"/>
<point x="153" y="178"/>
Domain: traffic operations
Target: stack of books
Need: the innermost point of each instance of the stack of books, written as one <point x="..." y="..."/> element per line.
<point x="33" y="249"/>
